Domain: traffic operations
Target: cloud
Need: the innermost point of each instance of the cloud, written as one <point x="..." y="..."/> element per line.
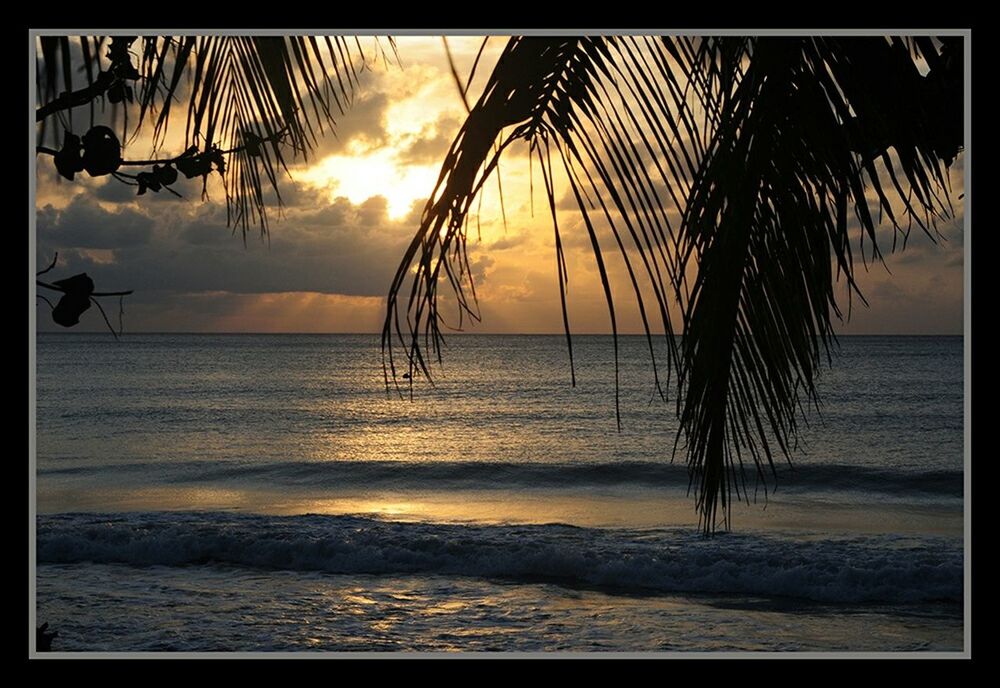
<point x="479" y="265"/>
<point x="114" y="191"/>
<point x="294" y="194"/>
<point x="373" y="211"/>
<point x="510" y="241"/>
<point x="205" y="234"/>
<point x="337" y="248"/>
<point x="222" y="311"/>
<point x="568" y="201"/>
<point x="430" y="146"/>
<point x="329" y="260"/>
<point x="85" y="224"/>
<point x="362" y="124"/>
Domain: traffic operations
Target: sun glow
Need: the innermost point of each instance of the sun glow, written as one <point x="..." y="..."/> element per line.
<point x="377" y="173"/>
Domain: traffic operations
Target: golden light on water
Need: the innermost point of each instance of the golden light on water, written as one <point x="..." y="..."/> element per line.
<point x="654" y="508"/>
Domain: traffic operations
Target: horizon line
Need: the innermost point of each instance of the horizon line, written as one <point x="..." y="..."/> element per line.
<point x="467" y="334"/>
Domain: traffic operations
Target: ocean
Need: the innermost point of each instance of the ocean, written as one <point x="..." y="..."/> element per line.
<point x="265" y="493"/>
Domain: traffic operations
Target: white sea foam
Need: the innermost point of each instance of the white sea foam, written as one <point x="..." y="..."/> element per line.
<point x="855" y="569"/>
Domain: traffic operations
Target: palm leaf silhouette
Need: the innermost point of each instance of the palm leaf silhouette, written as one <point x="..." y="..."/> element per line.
<point x="767" y="150"/>
<point x="250" y="97"/>
<point x="731" y="176"/>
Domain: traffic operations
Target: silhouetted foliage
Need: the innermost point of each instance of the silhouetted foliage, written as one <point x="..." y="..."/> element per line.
<point x="250" y="99"/>
<point x="765" y="148"/>
<point x="246" y="102"/>
<point x="77" y="295"/>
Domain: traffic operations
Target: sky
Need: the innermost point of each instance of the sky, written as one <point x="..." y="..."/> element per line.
<point x="350" y="211"/>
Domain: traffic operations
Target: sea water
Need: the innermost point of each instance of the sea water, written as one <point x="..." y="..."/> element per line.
<point x="265" y="492"/>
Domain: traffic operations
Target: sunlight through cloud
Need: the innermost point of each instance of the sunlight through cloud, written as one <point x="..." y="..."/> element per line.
<point x="358" y="178"/>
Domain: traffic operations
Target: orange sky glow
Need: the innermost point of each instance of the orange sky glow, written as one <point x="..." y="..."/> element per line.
<point x="351" y="209"/>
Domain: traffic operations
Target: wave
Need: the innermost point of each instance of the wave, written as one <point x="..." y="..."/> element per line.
<point x="492" y="475"/>
<point x="857" y="569"/>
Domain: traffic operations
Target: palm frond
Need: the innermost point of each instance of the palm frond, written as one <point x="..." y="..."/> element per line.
<point x="766" y="148"/>
<point x="767" y="221"/>
<point x="252" y="98"/>
<point x="549" y="91"/>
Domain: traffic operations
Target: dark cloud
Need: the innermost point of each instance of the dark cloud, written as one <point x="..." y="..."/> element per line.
<point x="412" y="218"/>
<point x="568" y="201"/>
<point x="373" y="211"/>
<point x="114" y="191"/>
<point x="479" y="265"/>
<point x="295" y="194"/>
<point x="363" y="122"/>
<point x="432" y="144"/>
<point x="338" y="213"/>
<point x="574" y="234"/>
<point x="205" y="234"/>
<point x="341" y="213"/>
<point x="85" y="224"/>
<point x="189" y="269"/>
<point x="338" y="248"/>
<point x="509" y="241"/>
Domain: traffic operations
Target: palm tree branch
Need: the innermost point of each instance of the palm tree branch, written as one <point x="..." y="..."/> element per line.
<point x="767" y="148"/>
<point x="235" y="85"/>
